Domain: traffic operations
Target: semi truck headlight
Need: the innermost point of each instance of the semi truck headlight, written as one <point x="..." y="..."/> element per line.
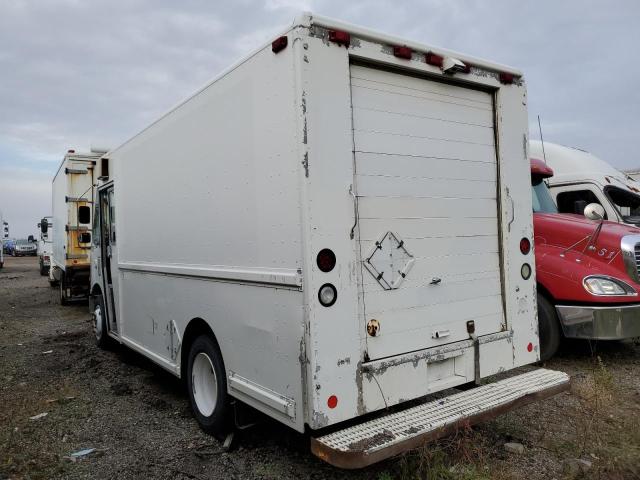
<point x="600" y="285"/>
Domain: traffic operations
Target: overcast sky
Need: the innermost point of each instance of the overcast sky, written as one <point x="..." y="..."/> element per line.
<point x="79" y="72"/>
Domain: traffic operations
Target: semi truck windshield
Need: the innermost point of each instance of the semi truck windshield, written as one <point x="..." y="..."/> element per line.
<point x="542" y="202"/>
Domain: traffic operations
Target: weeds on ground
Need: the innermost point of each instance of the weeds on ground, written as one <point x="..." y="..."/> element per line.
<point x="601" y="431"/>
<point x="595" y="394"/>
<point x="462" y="456"/>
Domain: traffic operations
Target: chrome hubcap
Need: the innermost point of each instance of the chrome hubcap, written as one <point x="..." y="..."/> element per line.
<point x="97" y="324"/>
<point x="204" y="384"/>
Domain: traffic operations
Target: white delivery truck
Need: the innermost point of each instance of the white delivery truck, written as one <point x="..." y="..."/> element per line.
<point x="45" y="244"/>
<point x="358" y="210"/>
<point x="72" y="208"/>
<point x="3" y="235"/>
<point x="581" y="178"/>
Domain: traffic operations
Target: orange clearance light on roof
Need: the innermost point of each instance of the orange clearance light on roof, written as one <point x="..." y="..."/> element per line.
<point x="403" y="52"/>
<point x="342" y="38"/>
<point x="279" y="44"/>
<point x="332" y="401"/>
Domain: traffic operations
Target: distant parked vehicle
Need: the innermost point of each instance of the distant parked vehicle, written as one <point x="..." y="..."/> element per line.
<point x="45" y="244"/>
<point x="72" y="205"/>
<point x="7" y="245"/>
<point x="3" y="234"/>
<point x="24" y="247"/>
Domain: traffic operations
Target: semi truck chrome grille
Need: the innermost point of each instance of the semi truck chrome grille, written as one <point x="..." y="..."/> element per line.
<point x="630" y="248"/>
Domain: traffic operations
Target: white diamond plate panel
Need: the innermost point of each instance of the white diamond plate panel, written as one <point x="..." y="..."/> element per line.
<point x="389" y="262"/>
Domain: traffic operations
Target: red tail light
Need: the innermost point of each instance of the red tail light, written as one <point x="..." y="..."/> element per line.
<point x="279" y="44"/>
<point x="433" y="59"/>
<point x="403" y="52"/>
<point x="507" y="78"/>
<point x="326" y="260"/>
<point x="525" y="245"/>
<point x="342" y="38"/>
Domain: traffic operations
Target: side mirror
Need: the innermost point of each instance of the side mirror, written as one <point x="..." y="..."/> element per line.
<point x="44" y="225"/>
<point x="594" y="211"/>
<point x="30" y="239"/>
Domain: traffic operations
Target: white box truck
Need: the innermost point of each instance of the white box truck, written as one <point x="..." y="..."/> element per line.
<point x="72" y="209"/>
<point x="3" y="235"/>
<point x="358" y="215"/>
<point x="45" y="244"/>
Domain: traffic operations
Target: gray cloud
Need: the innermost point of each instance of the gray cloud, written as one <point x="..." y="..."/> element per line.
<point x="75" y="72"/>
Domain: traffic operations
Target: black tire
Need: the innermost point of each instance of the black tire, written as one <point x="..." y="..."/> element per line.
<point x="43" y="271"/>
<point x="548" y="329"/>
<point x="218" y="422"/>
<point x="103" y="340"/>
<point x="63" y="297"/>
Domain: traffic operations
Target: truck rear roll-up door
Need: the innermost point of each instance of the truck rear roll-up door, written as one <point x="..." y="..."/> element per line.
<point x="426" y="181"/>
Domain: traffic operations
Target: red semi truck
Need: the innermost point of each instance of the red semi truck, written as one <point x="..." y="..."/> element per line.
<point x="587" y="271"/>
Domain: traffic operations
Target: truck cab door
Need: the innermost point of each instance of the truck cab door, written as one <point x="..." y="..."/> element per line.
<point x="571" y="198"/>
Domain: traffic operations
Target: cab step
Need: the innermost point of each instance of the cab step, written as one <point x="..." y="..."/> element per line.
<point x="392" y="434"/>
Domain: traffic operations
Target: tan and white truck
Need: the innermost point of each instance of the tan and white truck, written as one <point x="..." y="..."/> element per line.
<point x="72" y="208"/>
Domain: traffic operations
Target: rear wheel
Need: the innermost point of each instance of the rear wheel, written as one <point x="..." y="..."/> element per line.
<point x="548" y="329"/>
<point x="43" y="270"/>
<point x="207" y="387"/>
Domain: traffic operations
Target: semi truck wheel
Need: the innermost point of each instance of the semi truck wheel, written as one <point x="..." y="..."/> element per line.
<point x="207" y="387"/>
<point x="548" y="329"/>
<point x="43" y="271"/>
<point x="100" y="323"/>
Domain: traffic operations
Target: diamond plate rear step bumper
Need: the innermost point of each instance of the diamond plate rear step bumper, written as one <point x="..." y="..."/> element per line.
<point x="389" y="435"/>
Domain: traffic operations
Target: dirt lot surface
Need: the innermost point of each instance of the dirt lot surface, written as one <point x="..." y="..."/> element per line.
<point x="137" y="418"/>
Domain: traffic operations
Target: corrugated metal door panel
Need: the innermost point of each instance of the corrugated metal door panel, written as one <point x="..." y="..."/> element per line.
<point x="426" y="172"/>
<point x="379" y="186"/>
<point x="394" y="144"/>
<point x="440" y="168"/>
<point x="373" y="228"/>
<point x="425" y="207"/>
<point x="453" y="265"/>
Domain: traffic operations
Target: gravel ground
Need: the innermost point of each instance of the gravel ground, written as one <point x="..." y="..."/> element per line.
<point x="137" y="417"/>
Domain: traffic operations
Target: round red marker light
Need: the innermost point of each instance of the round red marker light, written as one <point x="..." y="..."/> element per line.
<point x="332" y="401"/>
<point x="530" y="347"/>
<point x="326" y="260"/>
<point x="525" y="245"/>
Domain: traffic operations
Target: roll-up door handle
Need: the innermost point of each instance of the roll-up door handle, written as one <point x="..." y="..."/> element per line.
<point x="355" y="211"/>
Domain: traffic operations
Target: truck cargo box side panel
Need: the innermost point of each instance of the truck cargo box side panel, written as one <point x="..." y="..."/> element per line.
<point x="208" y="226"/>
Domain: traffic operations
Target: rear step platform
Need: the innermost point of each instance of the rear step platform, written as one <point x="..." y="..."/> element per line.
<point x="389" y="435"/>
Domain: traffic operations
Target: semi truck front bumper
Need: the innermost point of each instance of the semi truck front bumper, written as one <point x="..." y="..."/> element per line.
<point x="391" y="434"/>
<point x="600" y="323"/>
